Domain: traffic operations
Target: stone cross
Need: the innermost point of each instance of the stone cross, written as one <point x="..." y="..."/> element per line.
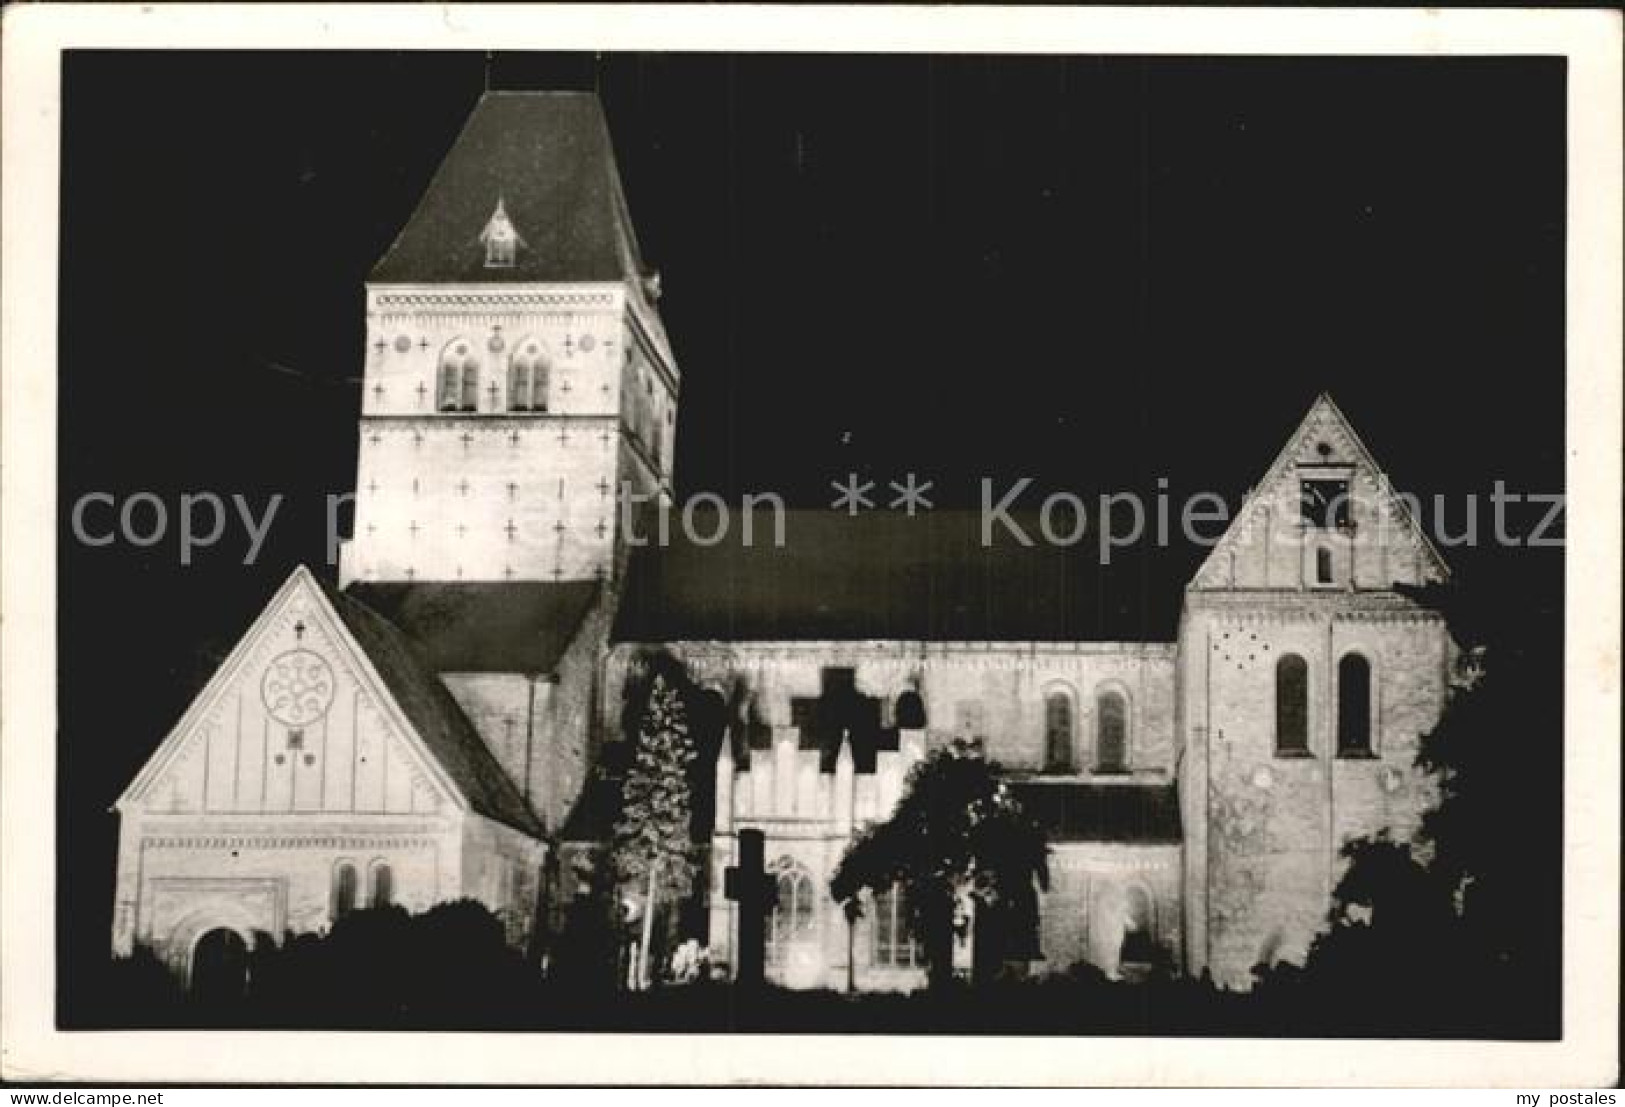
<point x="755" y="892"/>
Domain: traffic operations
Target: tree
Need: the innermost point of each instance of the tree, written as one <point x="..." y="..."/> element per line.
<point x="651" y="845"/>
<point x="958" y="836"/>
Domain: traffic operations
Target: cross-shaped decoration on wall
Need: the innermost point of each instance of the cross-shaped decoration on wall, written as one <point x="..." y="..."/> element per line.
<point x="371" y="529"/>
<point x="462" y="487"/>
<point x="609" y="344"/>
<point x="513" y="489"/>
<point x="462" y="529"/>
<point x="379" y="345"/>
<point x="603" y="487"/>
<point x="299" y="630"/>
<point x="423" y="343"/>
<point x="564" y="436"/>
<point x="839" y="711"/>
<point x="511" y="530"/>
<point x="372" y="486"/>
<point x="417" y="438"/>
<point x="468" y="439"/>
<point x="604" y="388"/>
<point x="601" y="528"/>
<point x="413" y="528"/>
<point x="410" y="572"/>
<point x="414" y="486"/>
<point x="491" y="390"/>
<point x="296" y="739"/>
<point x="378" y="392"/>
<point x="564" y="386"/>
<point x="507" y="572"/>
<point x="559" y="528"/>
<point x="513" y="438"/>
<point x="569" y="346"/>
<point x="603" y="437"/>
<point x="558" y="570"/>
<point x="375" y="438"/>
<point x="423" y="393"/>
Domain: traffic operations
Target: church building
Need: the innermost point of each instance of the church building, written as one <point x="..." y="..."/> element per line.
<point x="443" y="721"/>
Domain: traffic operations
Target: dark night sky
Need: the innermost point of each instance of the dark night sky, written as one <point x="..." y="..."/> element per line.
<point x="1092" y="271"/>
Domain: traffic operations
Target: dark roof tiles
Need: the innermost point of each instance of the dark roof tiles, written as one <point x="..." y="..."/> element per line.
<point x="547" y="158"/>
<point x="519" y="627"/>
<point x="435" y="716"/>
<point x="885" y="577"/>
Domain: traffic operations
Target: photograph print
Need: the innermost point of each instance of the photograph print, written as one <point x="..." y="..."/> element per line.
<point x="811" y="543"/>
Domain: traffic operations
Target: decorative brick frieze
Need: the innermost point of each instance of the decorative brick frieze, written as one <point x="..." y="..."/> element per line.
<point x="487" y="301"/>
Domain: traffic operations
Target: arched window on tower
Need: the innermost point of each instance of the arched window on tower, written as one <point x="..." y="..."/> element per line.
<point x="1058" y="737"/>
<point x="344" y="885"/>
<point x="529" y="377"/>
<point x="1111" y="733"/>
<point x="1291" y="706"/>
<point x="1353" y="706"/>
<point x="459" y="387"/>
<point x="383" y="885"/>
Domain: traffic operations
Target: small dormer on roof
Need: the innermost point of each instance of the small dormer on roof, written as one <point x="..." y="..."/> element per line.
<point x="500" y="239"/>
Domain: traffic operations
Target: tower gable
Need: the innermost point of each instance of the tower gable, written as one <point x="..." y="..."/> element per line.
<point x="1324" y="517"/>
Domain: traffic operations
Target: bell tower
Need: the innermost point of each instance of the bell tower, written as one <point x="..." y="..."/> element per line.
<point x="1308" y="676"/>
<point x="517" y="374"/>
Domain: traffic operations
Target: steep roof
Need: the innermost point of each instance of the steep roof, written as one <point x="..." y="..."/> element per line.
<point x="547" y="158"/>
<point x="887" y="577"/>
<point x="522" y="627"/>
<point x="435" y="716"/>
<point x="1073" y="811"/>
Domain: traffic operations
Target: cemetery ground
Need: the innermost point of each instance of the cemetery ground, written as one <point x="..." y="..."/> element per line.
<point x="449" y="969"/>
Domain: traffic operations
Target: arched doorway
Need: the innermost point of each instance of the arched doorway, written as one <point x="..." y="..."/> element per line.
<point x="1138" y="952"/>
<point x="219" y="967"/>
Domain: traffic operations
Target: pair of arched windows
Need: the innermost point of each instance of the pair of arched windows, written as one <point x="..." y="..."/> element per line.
<point x="529" y="377"/>
<point x="459" y="388"/>
<point x="1111" y="733"/>
<point x="346" y="886"/>
<point x="1353" y="706"/>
